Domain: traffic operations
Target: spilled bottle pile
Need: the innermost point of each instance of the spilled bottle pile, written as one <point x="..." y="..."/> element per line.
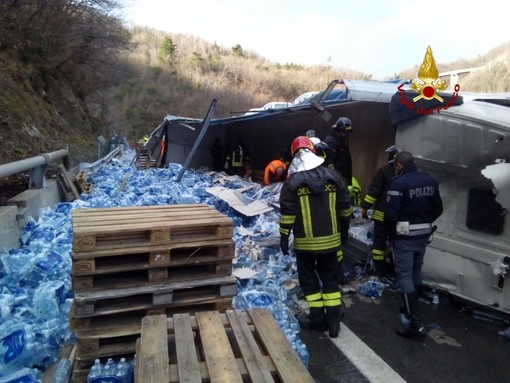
<point x="35" y="279"/>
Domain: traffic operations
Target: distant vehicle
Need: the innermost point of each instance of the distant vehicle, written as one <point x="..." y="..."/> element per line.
<point x="269" y="106"/>
<point x="304" y="97"/>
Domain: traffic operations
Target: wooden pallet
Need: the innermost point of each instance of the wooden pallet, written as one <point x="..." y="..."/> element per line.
<point x="125" y="227"/>
<point x="114" y="335"/>
<point x="67" y="184"/>
<point x="155" y="263"/>
<point x="115" y="301"/>
<point x="214" y="347"/>
<point x="123" y="277"/>
<point x="81" y="183"/>
<point x="134" y="257"/>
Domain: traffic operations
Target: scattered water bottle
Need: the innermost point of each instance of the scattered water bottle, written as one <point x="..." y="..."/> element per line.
<point x="62" y="372"/>
<point x="505" y="333"/>
<point x="371" y="288"/>
<point x="435" y="297"/>
<point x="304" y="355"/>
<point x="24" y="375"/>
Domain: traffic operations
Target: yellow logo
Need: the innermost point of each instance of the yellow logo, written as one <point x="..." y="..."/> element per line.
<point x="428" y="83"/>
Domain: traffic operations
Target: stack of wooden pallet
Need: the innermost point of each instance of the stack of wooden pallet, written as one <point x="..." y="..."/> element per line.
<point x="135" y="261"/>
<point x="215" y="347"/>
<point x="81" y="182"/>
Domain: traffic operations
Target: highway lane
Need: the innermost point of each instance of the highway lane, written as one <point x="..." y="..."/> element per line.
<point x="457" y="348"/>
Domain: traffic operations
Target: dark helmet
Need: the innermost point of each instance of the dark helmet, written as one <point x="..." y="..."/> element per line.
<point x="392" y="153"/>
<point x="300" y="143"/>
<point x="343" y="124"/>
<point x="310" y="133"/>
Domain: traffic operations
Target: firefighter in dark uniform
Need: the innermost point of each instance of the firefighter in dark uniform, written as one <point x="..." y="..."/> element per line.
<point x="338" y="155"/>
<point x="413" y="203"/>
<point x="322" y="150"/>
<point x="376" y="199"/>
<point x="315" y="206"/>
<point x="236" y="161"/>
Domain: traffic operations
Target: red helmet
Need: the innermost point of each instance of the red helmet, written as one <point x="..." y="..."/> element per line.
<point x="300" y="143"/>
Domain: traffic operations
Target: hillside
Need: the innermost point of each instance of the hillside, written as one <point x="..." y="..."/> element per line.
<point x="160" y="73"/>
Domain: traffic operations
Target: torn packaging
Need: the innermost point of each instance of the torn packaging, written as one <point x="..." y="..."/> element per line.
<point x="234" y="199"/>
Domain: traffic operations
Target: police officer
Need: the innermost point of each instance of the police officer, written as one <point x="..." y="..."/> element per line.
<point x="376" y="199"/>
<point x="338" y="155"/>
<point x="315" y="206"/>
<point x="413" y="203"/>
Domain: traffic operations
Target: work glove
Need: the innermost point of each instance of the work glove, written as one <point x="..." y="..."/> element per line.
<point x="226" y="165"/>
<point x="364" y="214"/>
<point x="284" y="244"/>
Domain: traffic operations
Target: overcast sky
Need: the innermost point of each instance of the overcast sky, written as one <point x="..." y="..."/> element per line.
<point x="376" y="37"/>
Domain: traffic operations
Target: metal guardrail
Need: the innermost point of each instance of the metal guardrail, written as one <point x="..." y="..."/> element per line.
<point x="96" y="165"/>
<point x="36" y="165"/>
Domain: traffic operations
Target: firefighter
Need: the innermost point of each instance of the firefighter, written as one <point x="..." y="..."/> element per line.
<point x="316" y="208"/>
<point x="276" y="171"/>
<point x="236" y="161"/>
<point x="413" y="203"/>
<point x="376" y="199"/>
<point x="338" y="151"/>
<point x="354" y="190"/>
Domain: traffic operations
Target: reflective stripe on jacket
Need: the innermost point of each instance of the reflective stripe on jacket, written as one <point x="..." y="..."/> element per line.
<point x="316" y="207"/>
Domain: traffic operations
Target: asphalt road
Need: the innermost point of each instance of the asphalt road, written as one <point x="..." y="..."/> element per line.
<point x="458" y="347"/>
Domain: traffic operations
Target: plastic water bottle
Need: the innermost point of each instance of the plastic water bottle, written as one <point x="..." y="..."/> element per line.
<point x="304" y="355"/>
<point x="123" y="371"/>
<point x="133" y="366"/>
<point x="111" y="364"/>
<point x="435" y="297"/>
<point x="505" y="333"/>
<point x="62" y="372"/>
<point x="22" y="375"/>
<point x="99" y="366"/>
<point x="93" y="374"/>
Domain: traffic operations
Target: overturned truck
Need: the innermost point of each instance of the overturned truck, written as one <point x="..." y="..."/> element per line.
<point x="462" y="139"/>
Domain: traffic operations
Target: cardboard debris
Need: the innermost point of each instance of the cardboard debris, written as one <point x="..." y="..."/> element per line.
<point x="235" y="200"/>
<point x="243" y="273"/>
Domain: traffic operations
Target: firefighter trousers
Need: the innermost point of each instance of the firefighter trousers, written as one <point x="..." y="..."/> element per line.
<point x="317" y="277"/>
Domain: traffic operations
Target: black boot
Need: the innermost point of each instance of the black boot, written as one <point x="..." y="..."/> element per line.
<point x="316" y="320"/>
<point x="414" y="330"/>
<point x="333" y="318"/>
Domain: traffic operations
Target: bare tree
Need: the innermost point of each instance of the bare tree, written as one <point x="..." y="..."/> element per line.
<point x="72" y="39"/>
